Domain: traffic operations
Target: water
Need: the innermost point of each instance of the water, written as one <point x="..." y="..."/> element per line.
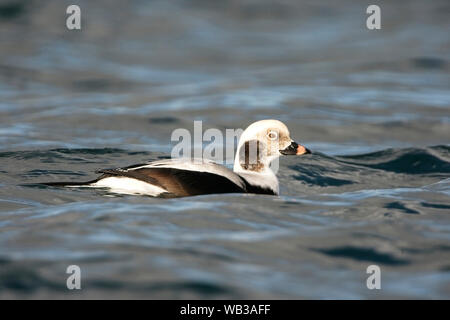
<point x="372" y="105"/>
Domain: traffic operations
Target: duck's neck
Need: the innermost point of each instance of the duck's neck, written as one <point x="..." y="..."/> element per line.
<point x="258" y="175"/>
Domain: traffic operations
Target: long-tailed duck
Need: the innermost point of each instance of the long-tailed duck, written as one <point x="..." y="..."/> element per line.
<point x="260" y="144"/>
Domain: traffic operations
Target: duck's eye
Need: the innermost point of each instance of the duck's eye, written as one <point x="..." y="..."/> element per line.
<point x="272" y="135"/>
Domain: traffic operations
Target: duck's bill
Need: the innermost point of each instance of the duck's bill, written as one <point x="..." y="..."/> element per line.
<point x="295" y="149"/>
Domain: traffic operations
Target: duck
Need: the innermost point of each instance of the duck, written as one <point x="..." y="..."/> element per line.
<point x="260" y="144"/>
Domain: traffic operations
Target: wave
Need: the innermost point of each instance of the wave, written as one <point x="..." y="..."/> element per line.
<point x="376" y="169"/>
<point x="410" y="161"/>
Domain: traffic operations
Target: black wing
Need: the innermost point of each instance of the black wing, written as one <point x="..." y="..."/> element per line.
<point x="179" y="182"/>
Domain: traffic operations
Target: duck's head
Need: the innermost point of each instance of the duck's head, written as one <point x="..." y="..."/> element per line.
<point x="262" y="142"/>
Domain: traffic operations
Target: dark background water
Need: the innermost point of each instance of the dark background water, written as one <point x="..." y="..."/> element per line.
<point x="372" y="105"/>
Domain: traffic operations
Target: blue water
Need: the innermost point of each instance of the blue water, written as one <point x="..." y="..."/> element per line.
<point x="374" y="106"/>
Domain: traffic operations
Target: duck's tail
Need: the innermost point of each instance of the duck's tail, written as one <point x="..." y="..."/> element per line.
<point x="69" y="184"/>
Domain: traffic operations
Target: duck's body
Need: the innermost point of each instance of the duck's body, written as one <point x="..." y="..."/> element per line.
<point x="177" y="178"/>
<point x="185" y="177"/>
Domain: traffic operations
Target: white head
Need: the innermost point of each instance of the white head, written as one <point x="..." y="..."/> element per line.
<point x="261" y="143"/>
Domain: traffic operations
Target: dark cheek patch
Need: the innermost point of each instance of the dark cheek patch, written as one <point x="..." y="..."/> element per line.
<point x="250" y="155"/>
